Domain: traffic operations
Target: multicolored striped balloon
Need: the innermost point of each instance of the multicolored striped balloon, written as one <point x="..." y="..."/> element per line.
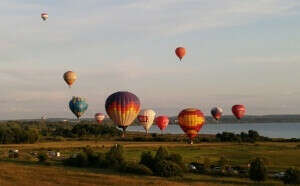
<point x="216" y="112"/>
<point x="78" y="106"/>
<point x="191" y="121"/>
<point x="122" y="108"/>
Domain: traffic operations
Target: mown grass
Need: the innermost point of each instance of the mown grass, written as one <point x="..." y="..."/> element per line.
<point x="279" y="157"/>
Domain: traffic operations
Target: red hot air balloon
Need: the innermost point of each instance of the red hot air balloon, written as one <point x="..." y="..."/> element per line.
<point x="99" y="117"/>
<point x="180" y="52"/>
<point x="191" y="121"/>
<point x="238" y="111"/>
<point x="44" y="16"/>
<point x="162" y="122"/>
<point x="122" y="108"/>
<point x="216" y="112"/>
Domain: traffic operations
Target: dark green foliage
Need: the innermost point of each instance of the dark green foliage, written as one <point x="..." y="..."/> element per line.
<point x="131" y="167"/>
<point x="42" y="156"/>
<point x="167" y="168"/>
<point x="163" y="164"/>
<point x="115" y="156"/>
<point x="292" y="176"/>
<point x="258" y="171"/>
<point x="147" y="159"/>
<point x="251" y="137"/>
<point x="161" y="154"/>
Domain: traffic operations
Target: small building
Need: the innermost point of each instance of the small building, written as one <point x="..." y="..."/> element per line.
<point x="13" y="153"/>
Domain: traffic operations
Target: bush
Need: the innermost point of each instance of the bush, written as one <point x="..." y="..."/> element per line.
<point x="177" y="158"/>
<point x="258" y="171"/>
<point x="131" y="167"/>
<point x="291" y="176"/>
<point x="161" y="154"/>
<point x="167" y="168"/>
<point x="115" y="156"/>
<point x="147" y="159"/>
<point x="42" y="156"/>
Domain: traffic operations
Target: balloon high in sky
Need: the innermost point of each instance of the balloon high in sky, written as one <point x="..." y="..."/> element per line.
<point x="70" y="77"/>
<point x="180" y="52"/>
<point x="44" y="16"/>
<point x="123" y="108"/>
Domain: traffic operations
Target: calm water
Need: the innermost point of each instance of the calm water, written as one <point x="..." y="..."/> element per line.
<point x="273" y="130"/>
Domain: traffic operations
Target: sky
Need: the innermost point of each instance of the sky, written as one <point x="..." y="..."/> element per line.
<point x="238" y="52"/>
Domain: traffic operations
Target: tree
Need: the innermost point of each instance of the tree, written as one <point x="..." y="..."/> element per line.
<point x="258" y="171"/>
<point x="291" y="176"/>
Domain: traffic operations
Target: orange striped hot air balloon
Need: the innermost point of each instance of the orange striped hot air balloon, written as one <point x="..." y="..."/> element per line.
<point x="191" y="121"/>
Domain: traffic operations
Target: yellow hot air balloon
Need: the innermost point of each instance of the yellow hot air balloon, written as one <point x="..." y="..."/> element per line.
<point x="146" y="118"/>
<point x="191" y="121"/>
<point x="70" y="77"/>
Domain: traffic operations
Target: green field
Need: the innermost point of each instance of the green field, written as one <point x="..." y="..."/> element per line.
<point x="279" y="156"/>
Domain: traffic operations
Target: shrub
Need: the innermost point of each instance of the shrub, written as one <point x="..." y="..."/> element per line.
<point x="177" y="158"/>
<point x="167" y="168"/>
<point x="131" y="167"/>
<point x="81" y="160"/>
<point x="42" y="156"/>
<point x="147" y="159"/>
<point x="258" y="171"/>
<point x="115" y="156"/>
<point x="291" y="176"/>
<point x="161" y="154"/>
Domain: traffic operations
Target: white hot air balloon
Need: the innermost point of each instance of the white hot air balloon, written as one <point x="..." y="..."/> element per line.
<point x="44" y="16"/>
<point x="146" y="118"/>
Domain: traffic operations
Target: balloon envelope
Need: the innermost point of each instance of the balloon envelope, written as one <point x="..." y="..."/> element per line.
<point x="99" y="117"/>
<point x="44" y="16"/>
<point x="238" y="111"/>
<point x="180" y="52"/>
<point x="162" y="122"/>
<point x="78" y="106"/>
<point x="191" y="121"/>
<point x="146" y="118"/>
<point x="216" y="112"/>
<point x="123" y="108"/>
<point x="70" y="77"/>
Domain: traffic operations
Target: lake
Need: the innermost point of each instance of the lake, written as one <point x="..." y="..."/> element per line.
<point x="272" y="130"/>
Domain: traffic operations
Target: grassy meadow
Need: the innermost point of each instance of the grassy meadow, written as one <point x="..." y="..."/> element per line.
<point x="26" y="170"/>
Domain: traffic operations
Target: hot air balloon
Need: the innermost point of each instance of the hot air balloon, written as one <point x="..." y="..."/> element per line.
<point x="216" y="112"/>
<point x="99" y="117"/>
<point x="44" y="16"/>
<point x="180" y="52"/>
<point x="123" y="108"/>
<point x="70" y="77"/>
<point x="191" y="121"/>
<point x="78" y="106"/>
<point x="146" y="118"/>
<point x="238" y="111"/>
<point x="162" y="122"/>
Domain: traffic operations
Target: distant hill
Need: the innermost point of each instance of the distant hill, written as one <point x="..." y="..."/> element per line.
<point x="209" y="119"/>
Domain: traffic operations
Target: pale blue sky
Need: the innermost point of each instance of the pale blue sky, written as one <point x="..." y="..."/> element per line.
<point x="238" y="51"/>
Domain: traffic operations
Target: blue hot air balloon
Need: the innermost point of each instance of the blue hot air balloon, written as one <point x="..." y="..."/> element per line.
<point x="78" y="106"/>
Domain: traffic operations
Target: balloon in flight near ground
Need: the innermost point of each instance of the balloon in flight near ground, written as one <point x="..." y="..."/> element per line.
<point x="216" y="112"/>
<point x="238" y="111"/>
<point x="162" y="122"/>
<point x="122" y="107"/>
<point x="70" y="77"/>
<point x="191" y="121"/>
<point x="44" y="16"/>
<point x="146" y="118"/>
<point x="99" y="117"/>
<point x="78" y="106"/>
<point x="180" y="52"/>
